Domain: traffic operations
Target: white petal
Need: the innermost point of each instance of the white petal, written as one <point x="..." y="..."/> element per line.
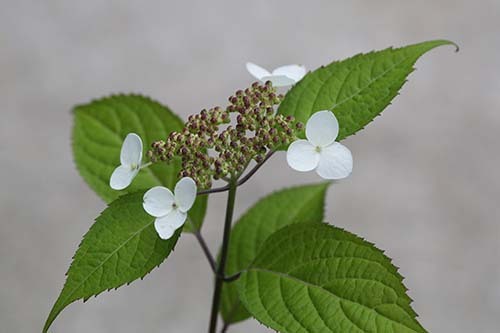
<point x="122" y="177"/>
<point x="335" y="162"/>
<point x="294" y="72"/>
<point x="176" y="218"/>
<point x="158" y="201"/>
<point x="322" y="128"/>
<point x="131" y="153"/>
<point x="164" y="230"/>
<point x="185" y="193"/>
<point x="257" y="71"/>
<point x="302" y="156"/>
<point x="165" y="226"/>
<point x="279" y="80"/>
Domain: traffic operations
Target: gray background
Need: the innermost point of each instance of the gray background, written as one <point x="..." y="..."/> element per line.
<point x="425" y="184"/>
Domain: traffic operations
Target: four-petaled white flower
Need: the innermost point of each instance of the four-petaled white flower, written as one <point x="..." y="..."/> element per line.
<point x="130" y="159"/>
<point x="170" y="209"/>
<point x="280" y="77"/>
<point x="320" y="152"/>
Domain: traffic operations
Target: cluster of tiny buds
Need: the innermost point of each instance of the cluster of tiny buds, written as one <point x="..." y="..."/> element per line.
<point x="220" y="143"/>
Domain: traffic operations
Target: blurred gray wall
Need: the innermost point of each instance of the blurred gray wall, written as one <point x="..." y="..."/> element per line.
<point x="425" y="185"/>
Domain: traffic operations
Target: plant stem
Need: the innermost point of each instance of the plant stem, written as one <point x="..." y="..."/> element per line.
<point x="232" y="278"/>
<point x="205" y="249"/>
<point x="203" y="245"/>
<point x="219" y="277"/>
<point x="255" y="168"/>
<point x="214" y="190"/>
<point x="242" y="180"/>
<point x="224" y="328"/>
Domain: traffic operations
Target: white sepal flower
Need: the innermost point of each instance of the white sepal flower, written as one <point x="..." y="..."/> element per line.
<point x="320" y="152"/>
<point x="130" y="159"/>
<point x="280" y="77"/>
<point x="170" y="209"/>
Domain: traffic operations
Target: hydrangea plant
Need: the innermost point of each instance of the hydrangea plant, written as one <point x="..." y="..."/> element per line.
<point x="280" y="263"/>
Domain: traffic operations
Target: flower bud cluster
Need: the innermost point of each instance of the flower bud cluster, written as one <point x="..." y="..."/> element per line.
<point x="220" y="143"/>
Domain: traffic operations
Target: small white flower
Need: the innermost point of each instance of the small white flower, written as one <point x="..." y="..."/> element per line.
<point x="130" y="159"/>
<point x="320" y="152"/>
<point x="280" y="77"/>
<point x="170" y="209"/>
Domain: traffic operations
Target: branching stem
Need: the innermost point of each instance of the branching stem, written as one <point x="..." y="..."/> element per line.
<point x="219" y="270"/>
<point x="255" y="168"/>
<point x="209" y="256"/>
<point x="214" y="190"/>
<point x="242" y="180"/>
<point x="206" y="250"/>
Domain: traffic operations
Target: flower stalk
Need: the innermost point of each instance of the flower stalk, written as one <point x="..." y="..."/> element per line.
<point x="242" y="180"/>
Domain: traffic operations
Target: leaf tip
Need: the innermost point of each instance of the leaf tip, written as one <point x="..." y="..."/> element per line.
<point x="457" y="47"/>
<point x="449" y="42"/>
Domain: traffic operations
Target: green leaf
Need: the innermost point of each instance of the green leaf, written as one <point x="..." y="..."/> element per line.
<point x="119" y="248"/>
<point x="319" y="278"/>
<point x="99" y="130"/>
<point x="356" y="89"/>
<point x="296" y="204"/>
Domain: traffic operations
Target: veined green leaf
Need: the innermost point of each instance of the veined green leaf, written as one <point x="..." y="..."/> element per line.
<point x="99" y="130"/>
<point x="119" y="248"/>
<point x="296" y="204"/>
<point x="356" y="89"/>
<point x="319" y="278"/>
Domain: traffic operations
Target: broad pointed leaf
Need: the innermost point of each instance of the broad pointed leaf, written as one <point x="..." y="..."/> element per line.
<point x="296" y="204"/>
<point x="99" y="130"/>
<point x="319" y="278"/>
<point x="119" y="248"/>
<point x="356" y="89"/>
